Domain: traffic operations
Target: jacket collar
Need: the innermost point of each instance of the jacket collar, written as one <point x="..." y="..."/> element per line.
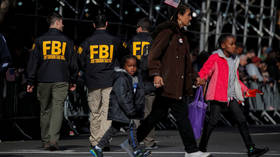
<point x="118" y="69"/>
<point x="166" y="25"/>
<point x="222" y="55"/>
<point x="54" y="30"/>
<point x="99" y="31"/>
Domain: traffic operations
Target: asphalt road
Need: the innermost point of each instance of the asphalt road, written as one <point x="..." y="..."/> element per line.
<point x="225" y="142"/>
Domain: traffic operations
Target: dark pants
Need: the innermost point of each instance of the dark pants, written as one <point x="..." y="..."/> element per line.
<point x="115" y="127"/>
<point x="51" y="97"/>
<point x="179" y="109"/>
<point x="215" y="110"/>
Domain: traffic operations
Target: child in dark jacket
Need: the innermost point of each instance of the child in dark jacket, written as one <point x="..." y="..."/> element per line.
<point x="127" y="100"/>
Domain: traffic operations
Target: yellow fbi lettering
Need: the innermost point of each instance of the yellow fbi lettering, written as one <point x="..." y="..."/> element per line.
<point x="54" y="50"/>
<point x="101" y="53"/>
<point x="138" y="48"/>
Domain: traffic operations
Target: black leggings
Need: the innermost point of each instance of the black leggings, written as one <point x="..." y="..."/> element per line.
<point x="215" y="110"/>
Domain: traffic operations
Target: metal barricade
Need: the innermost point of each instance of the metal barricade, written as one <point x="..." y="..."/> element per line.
<point x="263" y="109"/>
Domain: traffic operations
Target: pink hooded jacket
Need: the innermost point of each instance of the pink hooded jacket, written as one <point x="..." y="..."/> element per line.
<point x="217" y="70"/>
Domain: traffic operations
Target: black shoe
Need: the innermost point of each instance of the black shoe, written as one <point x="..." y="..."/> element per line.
<point x="106" y="149"/>
<point x="54" y="147"/>
<point x="96" y="152"/>
<point x="46" y="146"/>
<point x="203" y="149"/>
<point x="255" y="152"/>
<point x="153" y="147"/>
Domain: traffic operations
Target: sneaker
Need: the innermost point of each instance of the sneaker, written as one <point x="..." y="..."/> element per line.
<point x="153" y="147"/>
<point x="197" y="154"/>
<point x="126" y="147"/>
<point x="96" y="152"/>
<point x="142" y="153"/>
<point x="46" y="146"/>
<point x="255" y="152"/>
<point x="203" y="149"/>
<point x="138" y="153"/>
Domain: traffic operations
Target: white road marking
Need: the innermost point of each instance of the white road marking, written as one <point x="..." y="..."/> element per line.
<point x="262" y="134"/>
<point x="109" y="153"/>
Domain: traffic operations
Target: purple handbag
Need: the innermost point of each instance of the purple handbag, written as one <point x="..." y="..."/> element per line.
<point x="197" y="111"/>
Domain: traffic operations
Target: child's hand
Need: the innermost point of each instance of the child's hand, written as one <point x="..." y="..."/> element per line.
<point x="158" y="81"/>
<point x="252" y="93"/>
<point x="200" y="82"/>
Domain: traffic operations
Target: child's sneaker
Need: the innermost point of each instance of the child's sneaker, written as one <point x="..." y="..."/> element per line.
<point x="126" y="146"/>
<point x="138" y="153"/>
<point x="96" y="152"/>
<point x="142" y="153"/>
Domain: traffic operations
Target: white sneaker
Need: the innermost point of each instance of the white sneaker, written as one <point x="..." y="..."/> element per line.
<point x="197" y="154"/>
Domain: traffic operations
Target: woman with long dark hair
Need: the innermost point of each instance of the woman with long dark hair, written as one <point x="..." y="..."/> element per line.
<point x="169" y="63"/>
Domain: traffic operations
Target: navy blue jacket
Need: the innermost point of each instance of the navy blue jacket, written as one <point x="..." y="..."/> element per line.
<point x="98" y="58"/>
<point x="53" y="59"/>
<point x="124" y="103"/>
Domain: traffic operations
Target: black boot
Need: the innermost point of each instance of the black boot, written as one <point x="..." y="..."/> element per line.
<point x="255" y="152"/>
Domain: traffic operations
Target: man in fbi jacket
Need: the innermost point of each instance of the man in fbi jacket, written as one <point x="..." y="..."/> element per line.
<point x="53" y="65"/>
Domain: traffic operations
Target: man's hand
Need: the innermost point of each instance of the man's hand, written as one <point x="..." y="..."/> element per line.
<point x="29" y="88"/>
<point x="72" y="87"/>
<point x="200" y="82"/>
<point x="158" y="81"/>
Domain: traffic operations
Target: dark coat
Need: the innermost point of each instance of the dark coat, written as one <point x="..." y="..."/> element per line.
<point x="99" y="55"/>
<point x="124" y="103"/>
<point x="53" y="59"/>
<point x="169" y="58"/>
<point x="4" y="52"/>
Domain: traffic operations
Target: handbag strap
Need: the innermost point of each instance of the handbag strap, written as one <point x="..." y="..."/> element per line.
<point x="198" y="93"/>
<point x="201" y="98"/>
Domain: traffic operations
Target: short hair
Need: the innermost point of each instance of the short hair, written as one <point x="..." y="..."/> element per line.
<point x="126" y="57"/>
<point x="100" y="21"/>
<point x="144" y="23"/>
<point x="223" y="38"/>
<point x="181" y="9"/>
<point x="53" y="17"/>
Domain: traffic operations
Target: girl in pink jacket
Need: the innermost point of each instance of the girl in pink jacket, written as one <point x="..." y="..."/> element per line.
<point x="224" y="92"/>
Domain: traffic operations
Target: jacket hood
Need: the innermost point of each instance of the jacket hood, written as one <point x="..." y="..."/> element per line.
<point x="222" y="55"/>
<point x="119" y="71"/>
